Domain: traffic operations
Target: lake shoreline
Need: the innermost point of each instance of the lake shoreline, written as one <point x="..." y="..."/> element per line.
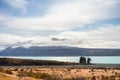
<point x="15" y="62"/>
<point x="95" y="59"/>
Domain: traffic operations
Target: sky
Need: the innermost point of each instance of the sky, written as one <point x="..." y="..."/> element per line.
<point x="78" y="23"/>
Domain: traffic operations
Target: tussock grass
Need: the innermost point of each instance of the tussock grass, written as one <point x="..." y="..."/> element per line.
<point x="4" y="77"/>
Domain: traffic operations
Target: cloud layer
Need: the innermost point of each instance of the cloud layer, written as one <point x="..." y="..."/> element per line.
<point x="66" y="15"/>
<point x="65" y="19"/>
<point x="104" y="37"/>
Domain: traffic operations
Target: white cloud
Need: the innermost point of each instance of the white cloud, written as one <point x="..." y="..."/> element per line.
<point x="15" y="41"/>
<point x="104" y="37"/>
<point x="19" y="4"/>
<point x="67" y="14"/>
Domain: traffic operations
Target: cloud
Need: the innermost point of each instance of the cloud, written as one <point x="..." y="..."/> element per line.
<point x="18" y="4"/>
<point x="16" y="41"/>
<point x="103" y="37"/>
<point x="57" y="39"/>
<point x="67" y="15"/>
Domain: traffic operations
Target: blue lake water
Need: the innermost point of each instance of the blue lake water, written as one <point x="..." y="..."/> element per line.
<point x="95" y="59"/>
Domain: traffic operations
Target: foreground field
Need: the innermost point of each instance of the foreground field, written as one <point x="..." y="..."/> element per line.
<point x="55" y="73"/>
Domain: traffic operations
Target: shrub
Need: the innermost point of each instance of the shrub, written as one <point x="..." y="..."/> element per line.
<point x="44" y="76"/>
<point x="21" y="69"/>
<point x="8" y="71"/>
<point x="74" y="78"/>
<point x="1" y="69"/>
<point x="16" y="69"/>
<point x="93" y="78"/>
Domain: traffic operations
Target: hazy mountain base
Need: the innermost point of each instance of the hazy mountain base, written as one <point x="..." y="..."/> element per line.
<point x="58" y="51"/>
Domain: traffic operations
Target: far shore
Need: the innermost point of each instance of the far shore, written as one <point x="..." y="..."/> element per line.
<point x="29" y="63"/>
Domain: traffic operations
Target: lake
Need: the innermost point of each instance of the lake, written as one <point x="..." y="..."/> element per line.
<point x="95" y="59"/>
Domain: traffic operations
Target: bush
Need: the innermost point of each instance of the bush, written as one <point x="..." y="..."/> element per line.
<point x="93" y="78"/>
<point x="44" y="76"/>
<point x="74" y="79"/>
<point x="8" y="71"/>
<point x="1" y="69"/>
<point x="16" y="69"/>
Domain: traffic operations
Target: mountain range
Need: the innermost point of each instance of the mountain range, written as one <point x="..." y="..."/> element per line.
<point x="58" y="51"/>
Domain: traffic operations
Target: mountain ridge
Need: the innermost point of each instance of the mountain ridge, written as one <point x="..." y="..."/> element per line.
<point x="58" y="51"/>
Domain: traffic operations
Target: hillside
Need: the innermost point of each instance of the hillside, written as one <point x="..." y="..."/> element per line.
<point x="58" y="51"/>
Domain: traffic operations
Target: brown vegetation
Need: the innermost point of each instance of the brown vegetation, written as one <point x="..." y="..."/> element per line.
<point x="37" y="73"/>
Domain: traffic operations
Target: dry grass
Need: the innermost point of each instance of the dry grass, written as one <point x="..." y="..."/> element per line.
<point x="4" y="77"/>
<point x="60" y="74"/>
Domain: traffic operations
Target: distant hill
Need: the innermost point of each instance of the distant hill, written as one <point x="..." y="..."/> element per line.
<point x="58" y="51"/>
